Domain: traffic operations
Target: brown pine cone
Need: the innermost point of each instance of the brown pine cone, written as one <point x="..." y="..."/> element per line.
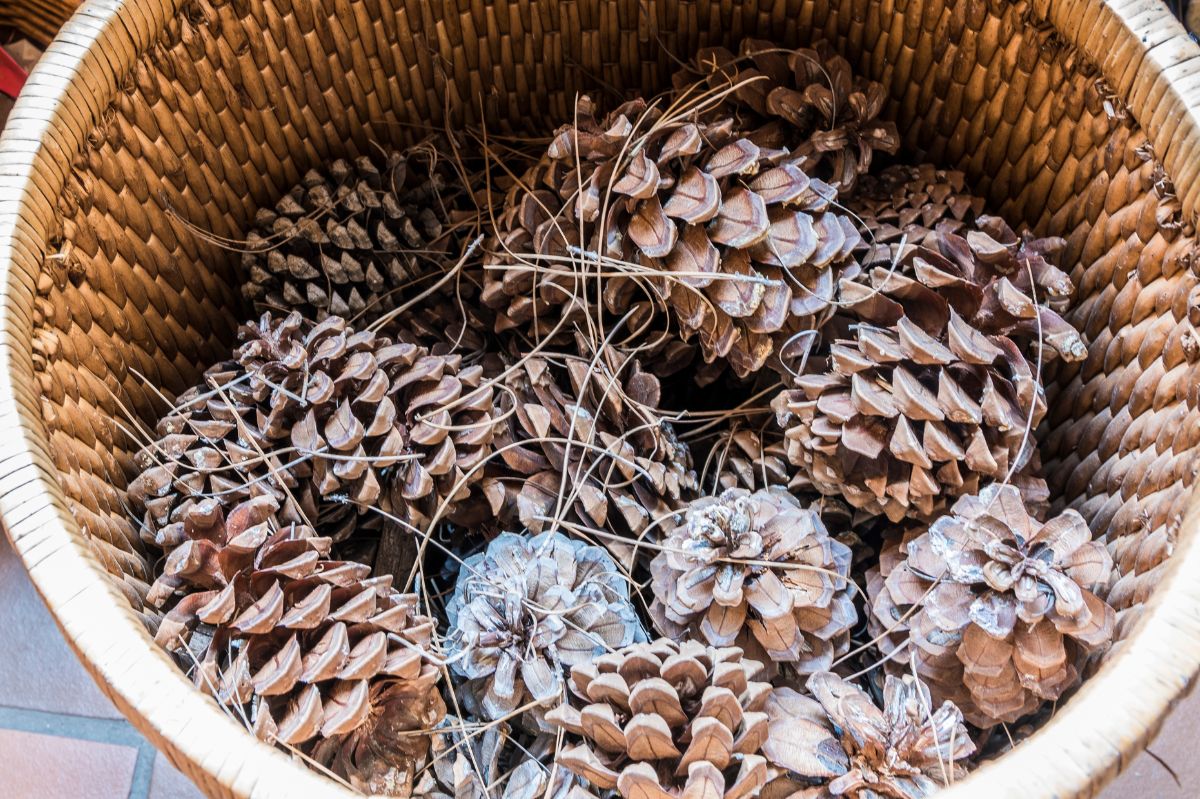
<point x="752" y="458"/>
<point x="912" y="203"/>
<point x="324" y="645"/>
<point x="586" y="444"/>
<point x="759" y="571"/>
<point x="927" y="388"/>
<point x="663" y="719"/>
<point x="740" y="245"/>
<point x="321" y="417"/>
<point x="348" y="240"/>
<point x="383" y="756"/>
<point x="811" y="102"/>
<point x="842" y="741"/>
<point x="995" y="609"/>
<point x="525" y="609"/>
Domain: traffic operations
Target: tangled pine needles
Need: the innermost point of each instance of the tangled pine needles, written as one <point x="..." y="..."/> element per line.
<point x="709" y="468"/>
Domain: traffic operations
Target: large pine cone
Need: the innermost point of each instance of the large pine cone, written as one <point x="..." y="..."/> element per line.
<point x="526" y="608"/>
<point x="586" y="445"/>
<point x="714" y="222"/>
<point x="996" y="609"/>
<point x="315" y="639"/>
<point x="663" y="719"/>
<point x="842" y="741"/>
<point x="348" y="240"/>
<point x="759" y="571"/>
<point x="326" y="417"/>
<point x="927" y="388"/>
<point x="811" y="102"/>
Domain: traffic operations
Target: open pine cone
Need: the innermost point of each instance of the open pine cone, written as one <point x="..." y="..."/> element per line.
<point x="996" y="610"/>
<point x="529" y="607"/>
<point x="348" y="240"/>
<point x="331" y="414"/>
<point x="842" y="740"/>
<point x="665" y="719"/>
<point x="325" y="646"/>
<point x="927" y="388"/>
<point x="587" y="443"/>
<point x="759" y="571"/>
<point x="713" y="221"/>
<point x="809" y="99"/>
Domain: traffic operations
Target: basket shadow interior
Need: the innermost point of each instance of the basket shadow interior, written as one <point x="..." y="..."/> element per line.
<point x="235" y="100"/>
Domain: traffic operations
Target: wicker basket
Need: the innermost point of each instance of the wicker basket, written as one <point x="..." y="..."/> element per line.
<point x="147" y="116"/>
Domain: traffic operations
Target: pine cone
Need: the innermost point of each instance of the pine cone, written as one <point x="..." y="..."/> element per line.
<point x="711" y="579"/>
<point x="526" y="608"/>
<point x="842" y="740"/>
<point x="663" y="719"/>
<point x="740" y="244"/>
<point x="997" y="609"/>
<point x="925" y="390"/>
<point x="590" y="437"/>
<point x="324" y="645"/>
<point x="312" y="417"/>
<point x="821" y="112"/>
<point x="911" y="203"/>
<point x="382" y="756"/>
<point x="752" y="458"/>
<point x="345" y="241"/>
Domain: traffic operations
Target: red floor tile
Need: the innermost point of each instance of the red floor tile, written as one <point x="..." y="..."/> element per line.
<point x="168" y="783"/>
<point x="49" y="767"/>
<point x="42" y="673"/>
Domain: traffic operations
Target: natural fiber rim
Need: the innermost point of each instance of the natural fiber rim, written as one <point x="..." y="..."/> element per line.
<point x="1144" y="54"/>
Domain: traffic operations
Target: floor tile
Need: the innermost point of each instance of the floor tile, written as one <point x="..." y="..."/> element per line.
<point x="169" y="783"/>
<point x="1146" y="778"/>
<point x="42" y="673"/>
<point x="47" y="767"/>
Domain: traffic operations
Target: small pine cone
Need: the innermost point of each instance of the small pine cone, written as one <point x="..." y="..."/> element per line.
<point x="913" y="204"/>
<point x="998" y="609"/>
<point x="812" y="102"/>
<point x="315" y="639"/>
<point x="925" y="391"/>
<point x="585" y="444"/>
<point x="383" y="756"/>
<point x="797" y="610"/>
<point x="528" y="607"/>
<point x="841" y="740"/>
<point x="752" y="458"/>
<point x="345" y="241"/>
<point x="666" y="719"/>
<point x="737" y="242"/>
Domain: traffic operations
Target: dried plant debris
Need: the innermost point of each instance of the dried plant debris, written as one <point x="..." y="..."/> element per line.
<point x="693" y="366"/>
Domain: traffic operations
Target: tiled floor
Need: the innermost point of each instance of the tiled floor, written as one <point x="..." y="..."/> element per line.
<point x="60" y="738"/>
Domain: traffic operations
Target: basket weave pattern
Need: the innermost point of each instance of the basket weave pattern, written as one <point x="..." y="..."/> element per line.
<point x="216" y="107"/>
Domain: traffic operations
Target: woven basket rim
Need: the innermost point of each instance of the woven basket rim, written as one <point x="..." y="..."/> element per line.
<point x="1084" y="745"/>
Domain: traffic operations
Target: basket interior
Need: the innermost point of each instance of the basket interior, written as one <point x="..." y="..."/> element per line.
<point x="239" y="97"/>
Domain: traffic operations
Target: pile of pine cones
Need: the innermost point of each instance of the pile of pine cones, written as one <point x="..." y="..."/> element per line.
<point x="706" y="466"/>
